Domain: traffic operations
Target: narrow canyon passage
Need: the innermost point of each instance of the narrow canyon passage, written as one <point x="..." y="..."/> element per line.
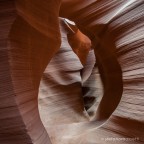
<point x="41" y="101"/>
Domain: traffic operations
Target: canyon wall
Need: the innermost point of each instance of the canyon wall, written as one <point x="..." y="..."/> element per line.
<point x="30" y="37"/>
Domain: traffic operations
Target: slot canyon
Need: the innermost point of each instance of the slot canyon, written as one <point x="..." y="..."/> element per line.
<point x="53" y="94"/>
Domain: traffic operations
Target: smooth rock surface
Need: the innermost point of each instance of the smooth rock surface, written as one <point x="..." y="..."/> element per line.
<point x="29" y="38"/>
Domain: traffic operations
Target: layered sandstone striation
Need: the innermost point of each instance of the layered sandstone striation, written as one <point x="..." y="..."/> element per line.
<point x="30" y="37"/>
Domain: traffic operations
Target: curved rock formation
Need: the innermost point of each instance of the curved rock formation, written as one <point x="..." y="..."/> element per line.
<point x="122" y="23"/>
<point x="27" y="43"/>
<point x="29" y="39"/>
